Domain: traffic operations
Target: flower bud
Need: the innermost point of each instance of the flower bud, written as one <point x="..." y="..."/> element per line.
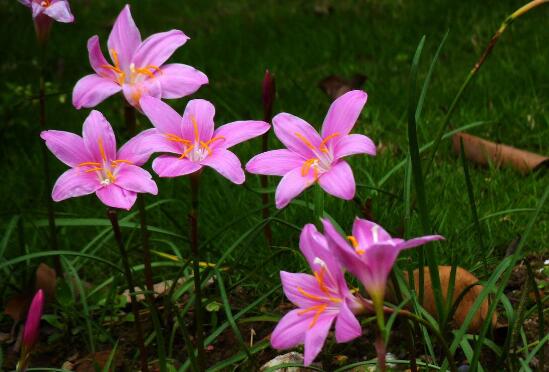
<point x="32" y="325"/>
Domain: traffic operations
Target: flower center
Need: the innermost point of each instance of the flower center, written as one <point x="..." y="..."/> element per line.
<point x="45" y="3"/>
<point x="328" y="297"/>
<point x="106" y="170"/>
<point x="195" y="150"/>
<point x="323" y="159"/>
<point x="355" y="245"/>
<point x="134" y="75"/>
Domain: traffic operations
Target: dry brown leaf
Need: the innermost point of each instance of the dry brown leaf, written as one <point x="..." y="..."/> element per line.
<point x="483" y="152"/>
<point x="335" y="86"/>
<point x="101" y="358"/>
<point x="46" y="280"/>
<point x="17" y="306"/>
<point x="463" y="280"/>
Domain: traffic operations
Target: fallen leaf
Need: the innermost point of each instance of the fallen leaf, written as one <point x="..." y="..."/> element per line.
<point x="335" y="86"/>
<point x="17" y="306"/>
<point x="291" y="357"/>
<point x="46" y="280"/>
<point x="100" y="358"/>
<point x="483" y="152"/>
<point x="463" y="279"/>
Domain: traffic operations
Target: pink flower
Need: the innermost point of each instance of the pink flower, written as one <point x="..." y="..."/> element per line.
<point x="32" y="325"/>
<point x="44" y="11"/>
<point x="321" y="299"/>
<point x="311" y="157"/>
<point x="96" y="166"/>
<point x="370" y="253"/>
<point x="138" y="67"/>
<point x="194" y="140"/>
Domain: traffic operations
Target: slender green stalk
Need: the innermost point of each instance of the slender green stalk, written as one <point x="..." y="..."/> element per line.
<point x="472" y="203"/>
<point x="381" y="336"/>
<point x="193" y="221"/>
<point x="113" y="217"/>
<point x="318" y="205"/>
<point x="420" y="187"/>
<point x="268" y="100"/>
<point x="487" y="51"/>
<point x="45" y="162"/>
<point x="539" y="305"/>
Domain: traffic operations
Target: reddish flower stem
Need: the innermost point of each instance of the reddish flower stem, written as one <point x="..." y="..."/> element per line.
<point x="113" y="217"/>
<point x="268" y="100"/>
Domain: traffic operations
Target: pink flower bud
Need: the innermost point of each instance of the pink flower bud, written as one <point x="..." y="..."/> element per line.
<point x="32" y="325"/>
<point x="269" y="91"/>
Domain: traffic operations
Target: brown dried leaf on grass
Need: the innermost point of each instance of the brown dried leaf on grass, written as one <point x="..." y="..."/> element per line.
<point x="335" y="86"/>
<point x="18" y="304"/>
<point x="463" y="280"/>
<point x="483" y="152"/>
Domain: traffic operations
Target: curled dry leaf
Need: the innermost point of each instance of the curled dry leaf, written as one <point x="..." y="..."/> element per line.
<point x="463" y="280"/>
<point x="483" y="152"/>
<point x="335" y="86"/>
<point x="46" y="280"/>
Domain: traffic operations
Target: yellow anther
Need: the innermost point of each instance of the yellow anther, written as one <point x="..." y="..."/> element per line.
<point x="155" y="68"/>
<point x="307" y="166"/>
<point x="353" y="241"/>
<point x="89" y="163"/>
<point x="318" y="309"/>
<point x="355" y="245"/>
<point x="308" y="295"/>
<point x="115" y="59"/>
<point x="144" y="71"/>
<point x="195" y="128"/>
<point x="115" y="163"/>
<point x="101" y="149"/>
<point x="215" y="139"/>
<point x="322" y="145"/>
<point x="305" y="141"/>
<point x="205" y="145"/>
<point x="186" y="152"/>
<point x="93" y="169"/>
<point x="111" y="176"/>
<point x="176" y="138"/>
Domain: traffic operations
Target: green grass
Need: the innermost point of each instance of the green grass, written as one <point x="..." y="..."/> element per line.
<point x="233" y="43"/>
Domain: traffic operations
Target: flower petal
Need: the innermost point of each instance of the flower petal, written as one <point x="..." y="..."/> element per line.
<point x="227" y="164"/>
<point x="178" y="80"/>
<point x="139" y="148"/>
<point x="295" y="284"/>
<point x="343" y="113"/>
<point x="201" y="113"/>
<point x="380" y="259"/>
<point x="73" y="183"/>
<point x="99" y="137"/>
<point x="116" y="197"/>
<point x="293" y="132"/>
<point x="238" y="131"/>
<point x="291" y="185"/>
<point x="343" y="250"/>
<point x="97" y="59"/>
<point x="60" y="11"/>
<point x="171" y="166"/>
<point x="37" y="9"/>
<point x="161" y="115"/>
<point x="275" y="162"/>
<point x="412" y="243"/>
<point x="157" y="48"/>
<point x="134" y="92"/>
<point x="339" y="181"/>
<point x="290" y="330"/>
<point x="368" y="233"/>
<point x="316" y="336"/>
<point x="320" y="258"/>
<point x="354" y="144"/>
<point x="134" y="178"/>
<point x="67" y="147"/>
<point x="347" y="327"/>
<point x="93" y="89"/>
<point x="124" y="38"/>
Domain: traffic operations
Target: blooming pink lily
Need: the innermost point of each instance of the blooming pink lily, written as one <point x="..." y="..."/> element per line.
<point x="193" y="139"/>
<point x="311" y="157"/>
<point x="321" y="298"/>
<point x="137" y="67"/>
<point x="96" y="166"/>
<point x="32" y="324"/>
<point x="44" y="11"/>
<point x="370" y="253"/>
